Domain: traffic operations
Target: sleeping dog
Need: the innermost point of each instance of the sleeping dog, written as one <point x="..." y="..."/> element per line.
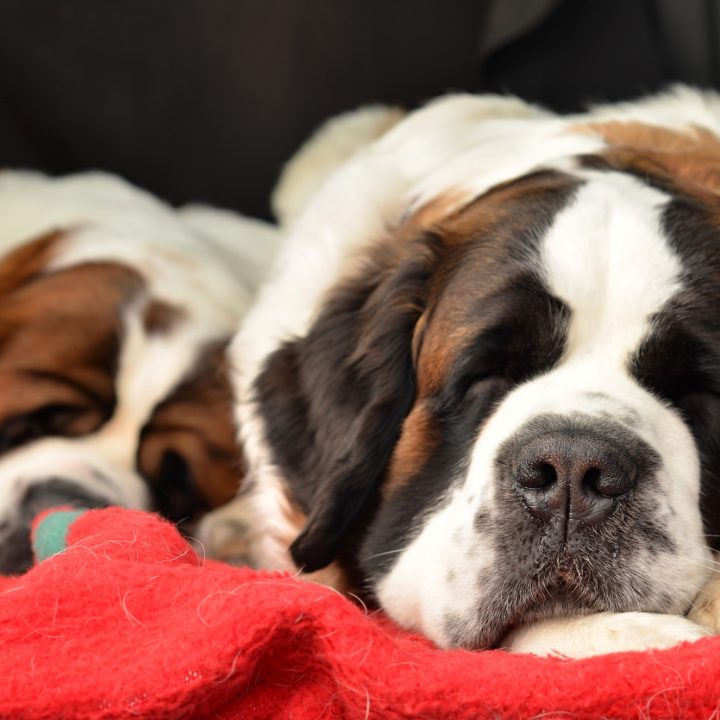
<point x="115" y="312"/>
<point x="482" y="387"/>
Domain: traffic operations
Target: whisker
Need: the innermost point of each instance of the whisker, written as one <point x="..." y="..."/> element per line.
<point x="387" y="552"/>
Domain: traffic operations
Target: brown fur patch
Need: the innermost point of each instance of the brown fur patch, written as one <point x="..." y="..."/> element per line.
<point x="437" y="210"/>
<point x="196" y="424"/>
<point x="333" y="576"/>
<point x="28" y="260"/>
<point x="59" y="342"/>
<point x="705" y="610"/>
<point x="688" y="160"/>
<point x="418" y="439"/>
<point x="160" y="317"/>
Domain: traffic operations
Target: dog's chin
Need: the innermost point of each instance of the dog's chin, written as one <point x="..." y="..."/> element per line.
<point x="563" y="603"/>
<point x="562" y="593"/>
<point x="541" y="604"/>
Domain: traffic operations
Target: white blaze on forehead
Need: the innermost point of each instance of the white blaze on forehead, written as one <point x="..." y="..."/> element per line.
<point x="150" y="366"/>
<point x="605" y="256"/>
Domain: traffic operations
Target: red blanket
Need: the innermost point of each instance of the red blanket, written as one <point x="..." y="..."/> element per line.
<point x="129" y="622"/>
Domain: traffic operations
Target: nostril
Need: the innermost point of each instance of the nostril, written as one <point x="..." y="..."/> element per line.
<point x="592" y="479"/>
<point x="539" y="475"/>
<point x="608" y="483"/>
<point x="546" y="474"/>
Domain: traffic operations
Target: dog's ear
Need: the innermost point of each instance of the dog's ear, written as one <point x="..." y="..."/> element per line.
<point x="333" y="402"/>
<point x="27" y="261"/>
<point x="331" y="145"/>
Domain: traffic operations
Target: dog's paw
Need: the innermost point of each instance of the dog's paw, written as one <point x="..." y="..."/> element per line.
<point x="706" y="606"/>
<point x="602" y="633"/>
<point x="224" y="534"/>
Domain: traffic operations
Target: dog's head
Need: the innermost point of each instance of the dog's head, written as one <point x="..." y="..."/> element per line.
<point x="509" y="407"/>
<point x="112" y="369"/>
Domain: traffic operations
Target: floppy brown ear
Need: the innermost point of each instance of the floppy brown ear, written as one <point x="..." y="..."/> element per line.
<point x="27" y="261"/>
<point x="333" y="402"/>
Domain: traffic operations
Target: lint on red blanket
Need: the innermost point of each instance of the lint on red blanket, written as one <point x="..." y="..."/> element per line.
<point x="129" y="622"/>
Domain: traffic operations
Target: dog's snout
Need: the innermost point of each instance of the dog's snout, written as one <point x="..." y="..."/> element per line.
<point x="575" y="477"/>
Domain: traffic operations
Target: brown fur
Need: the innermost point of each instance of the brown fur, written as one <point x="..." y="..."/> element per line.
<point x="29" y="260"/>
<point x="476" y="240"/>
<point x="160" y="317"/>
<point x="687" y="161"/>
<point x="47" y="355"/>
<point x="196" y="423"/>
<point x="418" y="439"/>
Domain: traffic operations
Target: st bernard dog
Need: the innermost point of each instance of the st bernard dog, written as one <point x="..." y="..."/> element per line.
<point x="481" y="388"/>
<point x="115" y="312"/>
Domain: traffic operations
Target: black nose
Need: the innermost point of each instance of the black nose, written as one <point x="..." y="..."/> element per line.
<point x="576" y="478"/>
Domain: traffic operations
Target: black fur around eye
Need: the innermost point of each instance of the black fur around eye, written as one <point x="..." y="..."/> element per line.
<point x="525" y="340"/>
<point x="674" y="364"/>
<point x="51" y="420"/>
<point x="473" y="395"/>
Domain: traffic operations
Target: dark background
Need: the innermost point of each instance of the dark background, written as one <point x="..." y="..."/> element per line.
<point x="205" y="99"/>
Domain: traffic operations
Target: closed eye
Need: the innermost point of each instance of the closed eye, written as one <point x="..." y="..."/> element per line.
<point x="673" y="363"/>
<point x="57" y="420"/>
<point x="91" y="394"/>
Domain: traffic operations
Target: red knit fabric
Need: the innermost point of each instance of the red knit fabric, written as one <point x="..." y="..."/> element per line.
<point x="129" y="622"/>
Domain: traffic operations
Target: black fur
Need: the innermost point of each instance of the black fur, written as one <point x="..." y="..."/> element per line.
<point x="333" y="401"/>
<point x="680" y="360"/>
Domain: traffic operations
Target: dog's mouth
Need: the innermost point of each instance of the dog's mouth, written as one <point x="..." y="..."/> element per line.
<point x="558" y="599"/>
<point x="557" y="580"/>
<point x="566" y="591"/>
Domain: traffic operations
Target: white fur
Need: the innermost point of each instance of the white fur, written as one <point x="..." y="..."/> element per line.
<point x="332" y="144"/>
<point x="680" y="107"/>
